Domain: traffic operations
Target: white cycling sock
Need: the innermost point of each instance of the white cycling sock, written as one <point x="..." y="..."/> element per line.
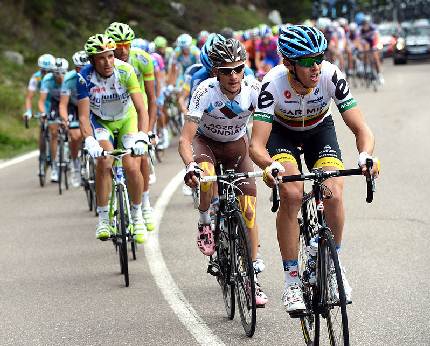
<point x="76" y="164"/>
<point x="103" y="213"/>
<point x="205" y="218"/>
<point x="136" y="211"/>
<point x="292" y="275"/>
<point x="145" y="200"/>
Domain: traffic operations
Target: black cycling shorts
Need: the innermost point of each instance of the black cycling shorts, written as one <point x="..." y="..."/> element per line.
<point x="319" y="145"/>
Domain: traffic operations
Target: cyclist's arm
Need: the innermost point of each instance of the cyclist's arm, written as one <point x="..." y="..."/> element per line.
<point x="84" y="117"/>
<point x="181" y="99"/>
<point x="28" y="98"/>
<point x="41" y="103"/>
<point x="64" y="101"/>
<point x="142" y="113"/>
<point x="364" y="138"/>
<point x="185" y="141"/>
<point x="257" y="148"/>
<point x="152" y="105"/>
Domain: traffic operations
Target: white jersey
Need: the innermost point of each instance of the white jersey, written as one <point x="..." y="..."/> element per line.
<point x="219" y="118"/>
<point x="279" y="102"/>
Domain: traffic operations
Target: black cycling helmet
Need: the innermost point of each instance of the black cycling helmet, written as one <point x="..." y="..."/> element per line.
<point x="230" y="50"/>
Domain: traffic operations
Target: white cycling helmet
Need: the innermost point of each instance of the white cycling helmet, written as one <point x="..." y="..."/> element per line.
<point x="323" y="23"/>
<point x="46" y="62"/>
<point x="61" y="65"/>
<point x="184" y="41"/>
<point x="80" y="58"/>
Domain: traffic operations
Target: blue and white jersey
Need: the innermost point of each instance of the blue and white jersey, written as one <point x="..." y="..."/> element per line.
<point x="221" y="119"/>
<point x="35" y="81"/>
<point x="51" y="87"/>
<point x="68" y="87"/>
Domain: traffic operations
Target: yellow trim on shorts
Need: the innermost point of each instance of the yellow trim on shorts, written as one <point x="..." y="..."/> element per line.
<point x="284" y="157"/>
<point x="210" y="170"/>
<point x="329" y="162"/>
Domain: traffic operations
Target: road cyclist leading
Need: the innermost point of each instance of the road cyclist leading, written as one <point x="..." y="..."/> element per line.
<point x="110" y="100"/>
<point x="49" y="102"/>
<point x="69" y="112"/>
<point x="294" y="111"/>
<point x="215" y="132"/>
<point x="143" y="66"/>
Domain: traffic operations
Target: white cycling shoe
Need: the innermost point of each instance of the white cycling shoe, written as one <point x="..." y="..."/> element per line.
<point x="292" y="299"/>
<point x="333" y="291"/>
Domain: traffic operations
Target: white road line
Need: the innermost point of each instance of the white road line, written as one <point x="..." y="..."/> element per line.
<point x="19" y="159"/>
<point x="164" y="280"/>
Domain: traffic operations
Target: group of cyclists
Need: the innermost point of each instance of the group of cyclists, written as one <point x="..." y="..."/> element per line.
<point x="116" y="98"/>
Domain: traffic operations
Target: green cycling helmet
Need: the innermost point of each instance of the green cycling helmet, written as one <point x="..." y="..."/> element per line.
<point x="120" y="32"/>
<point x="160" y="42"/>
<point x="99" y="43"/>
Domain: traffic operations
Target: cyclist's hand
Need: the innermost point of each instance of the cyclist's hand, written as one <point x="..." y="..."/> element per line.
<point x="153" y="138"/>
<point x="93" y="147"/>
<point x="27" y="114"/>
<point x="140" y="147"/>
<point x="64" y="123"/>
<point x="362" y="163"/>
<point x="267" y="174"/>
<point x="40" y="115"/>
<point x="192" y="172"/>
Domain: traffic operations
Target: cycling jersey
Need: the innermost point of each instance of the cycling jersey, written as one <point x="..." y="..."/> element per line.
<point x="50" y="86"/>
<point x="219" y="118"/>
<point x="280" y="103"/>
<point x="68" y="87"/>
<point x="158" y="62"/>
<point x="188" y="75"/>
<point x="269" y="51"/>
<point x="35" y="81"/>
<point x="185" y="61"/>
<point x="143" y="67"/>
<point x="109" y="97"/>
<point x="370" y="35"/>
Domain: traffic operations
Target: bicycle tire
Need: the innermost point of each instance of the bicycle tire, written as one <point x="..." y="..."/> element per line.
<point x="60" y="162"/>
<point x="330" y="310"/>
<point x="159" y="154"/>
<point x="42" y="171"/>
<point x="43" y="162"/>
<point x="224" y="262"/>
<point x="245" y="285"/>
<point x="123" y="255"/>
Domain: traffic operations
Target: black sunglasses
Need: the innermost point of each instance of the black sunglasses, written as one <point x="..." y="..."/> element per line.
<point x="229" y="70"/>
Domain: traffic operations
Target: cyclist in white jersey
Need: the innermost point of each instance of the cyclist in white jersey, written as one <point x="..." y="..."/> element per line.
<point x="294" y="110"/>
<point x="215" y="132"/>
<point x="110" y="100"/>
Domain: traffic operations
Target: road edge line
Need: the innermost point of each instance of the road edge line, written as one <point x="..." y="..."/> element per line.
<point x="19" y="159"/>
<point x="164" y="280"/>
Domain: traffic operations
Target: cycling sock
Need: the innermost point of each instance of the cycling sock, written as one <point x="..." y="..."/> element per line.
<point x="291" y="272"/>
<point x="76" y="164"/>
<point x="338" y="247"/>
<point x="145" y="200"/>
<point x="205" y="218"/>
<point x="103" y="213"/>
<point x="136" y="211"/>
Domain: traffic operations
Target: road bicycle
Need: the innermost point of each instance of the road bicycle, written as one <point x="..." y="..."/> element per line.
<point x="319" y="269"/>
<point x="232" y="264"/>
<point x="88" y="179"/>
<point x="44" y="149"/>
<point x="119" y="212"/>
<point x="63" y="158"/>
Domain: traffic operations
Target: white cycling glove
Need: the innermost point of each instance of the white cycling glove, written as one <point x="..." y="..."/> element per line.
<point x="28" y="113"/>
<point x="93" y="147"/>
<point x="269" y="169"/>
<point x="140" y="146"/>
<point x="363" y="157"/>
<point x="192" y="169"/>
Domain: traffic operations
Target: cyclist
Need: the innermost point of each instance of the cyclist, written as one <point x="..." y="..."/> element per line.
<point x="142" y="63"/>
<point x="294" y="110"/>
<point x="266" y="54"/>
<point x="46" y="63"/>
<point x="69" y="112"/>
<point x="370" y="37"/>
<point x="201" y="38"/>
<point x="215" y="132"/>
<point x="50" y="89"/>
<point x="110" y="100"/>
<point x="185" y="54"/>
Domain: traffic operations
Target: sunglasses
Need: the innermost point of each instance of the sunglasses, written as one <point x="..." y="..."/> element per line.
<point x="309" y="61"/>
<point x="229" y="70"/>
<point x="124" y="44"/>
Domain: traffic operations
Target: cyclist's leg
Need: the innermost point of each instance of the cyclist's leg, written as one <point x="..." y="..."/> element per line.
<point x="53" y="118"/>
<point x="75" y="143"/>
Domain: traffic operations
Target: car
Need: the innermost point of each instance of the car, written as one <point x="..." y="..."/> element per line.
<point x="387" y="32"/>
<point x="412" y="43"/>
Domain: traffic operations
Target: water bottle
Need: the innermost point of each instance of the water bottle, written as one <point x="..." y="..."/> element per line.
<point x="119" y="172"/>
<point x="312" y="250"/>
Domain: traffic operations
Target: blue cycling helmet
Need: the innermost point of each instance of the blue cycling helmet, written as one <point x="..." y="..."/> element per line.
<point x="141" y="44"/>
<point x="204" y="53"/>
<point x="295" y="41"/>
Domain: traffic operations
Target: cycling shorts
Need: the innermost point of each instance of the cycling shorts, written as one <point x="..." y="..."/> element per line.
<point x="232" y="155"/>
<point x="126" y="130"/>
<point x="53" y="115"/>
<point x="319" y="146"/>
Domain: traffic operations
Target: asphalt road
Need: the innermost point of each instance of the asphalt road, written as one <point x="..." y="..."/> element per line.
<point x="59" y="286"/>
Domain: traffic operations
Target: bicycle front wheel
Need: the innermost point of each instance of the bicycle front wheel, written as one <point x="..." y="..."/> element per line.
<point x="224" y="262"/>
<point x="123" y="256"/>
<point x="333" y="308"/>
<point x="60" y="163"/>
<point x="245" y="286"/>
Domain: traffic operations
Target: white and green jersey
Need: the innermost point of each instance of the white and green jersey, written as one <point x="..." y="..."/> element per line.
<point x="280" y="103"/>
<point x="109" y="97"/>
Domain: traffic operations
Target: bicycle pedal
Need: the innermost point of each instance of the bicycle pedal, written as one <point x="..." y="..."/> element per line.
<point x="213" y="269"/>
<point x="299" y="314"/>
<point x="260" y="306"/>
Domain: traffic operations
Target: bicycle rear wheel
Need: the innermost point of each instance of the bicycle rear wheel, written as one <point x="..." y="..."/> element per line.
<point x="333" y="310"/>
<point x="123" y="256"/>
<point x="224" y="262"/>
<point x="245" y="286"/>
<point x="60" y="162"/>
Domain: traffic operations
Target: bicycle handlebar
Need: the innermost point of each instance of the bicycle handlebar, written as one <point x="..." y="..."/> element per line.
<point x="232" y="176"/>
<point x="320" y="175"/>
<point x="117" y="153"/>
